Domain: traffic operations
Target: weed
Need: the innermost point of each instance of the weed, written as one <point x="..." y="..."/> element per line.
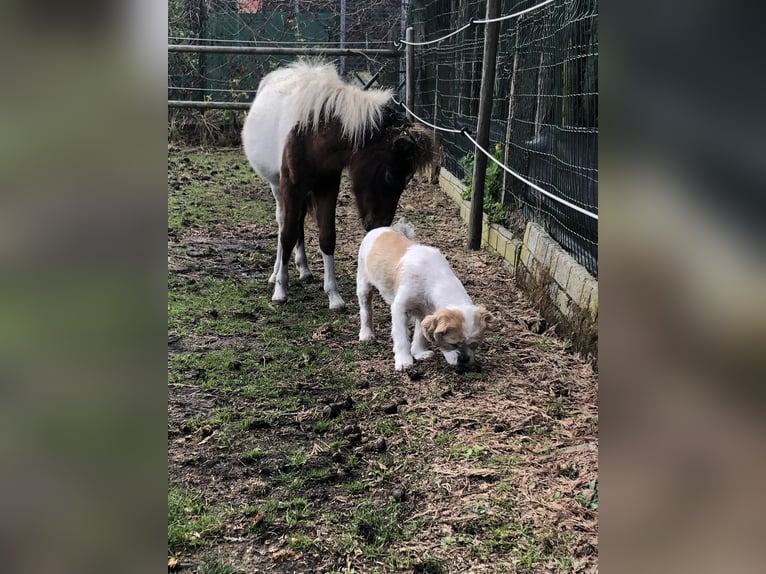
<point x="376" y="528"/>
<point x="297" y="457"/>
<point x="495" y="211"/>
<point x="319" y="474"/>
<point x="444" y="439"/>
<point x="322" y="426"/>
<point x="298" y="510"/>
<point x="556" y="408"/>
<point x="291" y="480"/>
<point x="459" y="451"/>
<point x="302" y="542"/>
<point x="546" y="344"/>
<point x="352" y="461"/>
<point x="252" y="455"/>
<point x="356" y="487"/>
<point x="589" y="498"/>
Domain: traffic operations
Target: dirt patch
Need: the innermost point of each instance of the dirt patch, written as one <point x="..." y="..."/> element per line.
<point x="293" y="447"/>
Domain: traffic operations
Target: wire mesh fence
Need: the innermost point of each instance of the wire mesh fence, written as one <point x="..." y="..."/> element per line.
<point x="544" y="111"/>
<point x="352" y="24"/>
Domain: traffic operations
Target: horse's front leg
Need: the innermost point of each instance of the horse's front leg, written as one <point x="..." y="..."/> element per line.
<point x="326" y="196"/>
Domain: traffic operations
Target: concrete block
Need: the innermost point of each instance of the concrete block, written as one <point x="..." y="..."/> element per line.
<point x="513" y="253"/>
<point x="562" y="270"/>
<point x="551" y="257"/>
<point x="505" y="233"/>
<point x="492" y="236"/>
<point x="589" y="287"/>
<point x="541" y="249"/>
<point x="563" y="303"/>
<point x="526" y="257"/>
<point x="502" y="245"/>
<point x="576" y="281"/>
<point x="530" y="236"/>
<point x="593" y="303"/>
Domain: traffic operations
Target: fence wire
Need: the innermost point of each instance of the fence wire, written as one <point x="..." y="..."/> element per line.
<point x="544" y="112"/>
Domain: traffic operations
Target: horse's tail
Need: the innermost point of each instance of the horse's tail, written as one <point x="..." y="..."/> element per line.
<point x="405" y="228"/>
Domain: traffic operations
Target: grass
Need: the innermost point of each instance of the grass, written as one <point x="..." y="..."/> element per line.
<point x="375" y="527"/>
<point x="191" y="521"/>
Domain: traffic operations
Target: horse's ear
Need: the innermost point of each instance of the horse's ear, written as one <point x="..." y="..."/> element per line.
<point x="420" y="144"/>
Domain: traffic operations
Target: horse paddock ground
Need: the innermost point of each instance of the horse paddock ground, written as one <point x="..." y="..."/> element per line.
<point x="293" y="447"/>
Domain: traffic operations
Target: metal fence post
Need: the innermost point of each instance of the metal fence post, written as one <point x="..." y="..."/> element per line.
<point x="482" y="129"/>
<point x="410" y="70"/>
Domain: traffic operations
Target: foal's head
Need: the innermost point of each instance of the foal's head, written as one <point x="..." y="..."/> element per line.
<point x="381" y="169"/>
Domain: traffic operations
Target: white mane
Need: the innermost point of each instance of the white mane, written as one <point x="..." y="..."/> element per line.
<point x="321" y="94"/>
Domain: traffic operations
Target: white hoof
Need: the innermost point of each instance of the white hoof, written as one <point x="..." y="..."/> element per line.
<point x="366" y="335"/>
<point x="336" y="302"/>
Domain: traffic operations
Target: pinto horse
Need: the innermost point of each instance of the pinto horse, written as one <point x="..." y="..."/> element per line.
<point x="304" y="127"/>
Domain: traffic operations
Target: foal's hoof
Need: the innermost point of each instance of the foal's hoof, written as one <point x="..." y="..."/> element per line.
<point x="278" y="302"/>
<point x="306" y="277"/>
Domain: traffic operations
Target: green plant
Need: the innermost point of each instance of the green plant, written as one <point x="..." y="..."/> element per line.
<point x="495" y="211"/>
<point x="589" y="497"/>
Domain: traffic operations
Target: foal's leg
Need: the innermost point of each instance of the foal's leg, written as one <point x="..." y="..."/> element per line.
<point x="280" y="222"/>
<point x="301" y="263"/>
<point x="326" y="195"/>
<point x="293" y="199"/>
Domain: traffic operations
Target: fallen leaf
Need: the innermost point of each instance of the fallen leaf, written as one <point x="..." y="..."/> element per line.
<point x="174" y="563"/>
<point x="285" y="554"/>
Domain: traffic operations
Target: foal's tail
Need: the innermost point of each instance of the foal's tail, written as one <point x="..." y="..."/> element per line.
<point x="405" y="228"/>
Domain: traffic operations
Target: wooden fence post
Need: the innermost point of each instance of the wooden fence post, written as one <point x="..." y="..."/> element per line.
<point x="482" y="129"/>
<point x="409" y="63"/>
<point x="511" y="111"/>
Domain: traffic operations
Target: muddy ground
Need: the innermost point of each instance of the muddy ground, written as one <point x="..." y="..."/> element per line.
<point x="293" y="447"/>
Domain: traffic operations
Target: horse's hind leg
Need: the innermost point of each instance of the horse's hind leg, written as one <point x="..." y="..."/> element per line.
<point x="280" y="222"/>
<point x="301" y="263"/>
<point x="326" y="197"/>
